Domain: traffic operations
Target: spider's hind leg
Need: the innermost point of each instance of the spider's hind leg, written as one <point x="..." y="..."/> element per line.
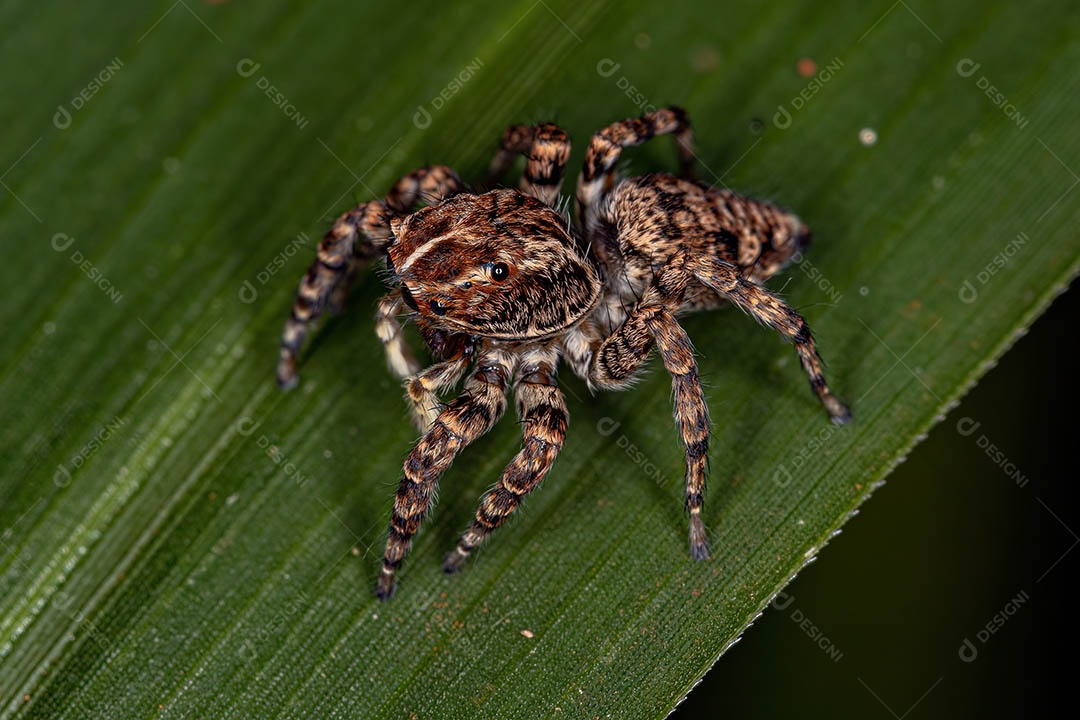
<point x="772" y="311"/>
<point x="691" y="415"/>
<point x="597" y="177"/>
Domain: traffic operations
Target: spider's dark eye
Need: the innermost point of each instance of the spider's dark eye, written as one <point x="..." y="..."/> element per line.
<point x="499" y="271"/>
<point x="408" y="298"/>
<point x="438" y="308"/>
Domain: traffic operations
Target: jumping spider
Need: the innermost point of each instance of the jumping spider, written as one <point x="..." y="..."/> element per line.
<point x="501" y="282"/>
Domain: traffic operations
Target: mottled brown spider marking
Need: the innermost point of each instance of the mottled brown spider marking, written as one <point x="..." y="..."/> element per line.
<point x="472" y="414"/>
<point x="497" y="281"/>
<point x="620" y="355"/>
<point x="547" y="149"/>
<point x="648" y="219"/>
<point x="542" y="409"/>
<point x="501" y="265"/>
<point x="431" y="184"/>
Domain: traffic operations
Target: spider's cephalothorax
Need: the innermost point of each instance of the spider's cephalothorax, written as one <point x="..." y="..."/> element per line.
<point x="501" y="265"/>
<point x="499" y="282"/>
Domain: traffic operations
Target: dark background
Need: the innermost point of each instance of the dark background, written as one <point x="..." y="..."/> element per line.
<point x="945" y="545"/>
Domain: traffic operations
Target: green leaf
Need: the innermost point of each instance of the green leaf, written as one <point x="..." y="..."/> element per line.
<point x="181" y="539"/>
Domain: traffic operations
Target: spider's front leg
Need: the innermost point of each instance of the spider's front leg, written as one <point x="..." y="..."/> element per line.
<point x="547" y="148"/>
<point x="472" y="414"/>
<point x="359" y="233"/>
<point x="542" y="410"/>
<point x="356" y="237"/>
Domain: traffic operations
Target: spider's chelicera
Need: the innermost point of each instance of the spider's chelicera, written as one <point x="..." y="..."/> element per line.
<point x="500" y="282"/>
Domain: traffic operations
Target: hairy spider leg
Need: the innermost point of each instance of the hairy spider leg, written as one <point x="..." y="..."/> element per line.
<point x="597" y="176"/>
<point x="470" y="415"/>
<point x="547" y="149"/>
<point x="542" y="410"/>
<point x="355" y="238"/>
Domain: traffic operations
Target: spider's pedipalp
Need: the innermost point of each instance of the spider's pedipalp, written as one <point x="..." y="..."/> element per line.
<point x="547" y="149"/>
<point x="399" y="357"/>
<point x="472" y="414"/>
<point x="542" y="410"/>
<point x="422" y="388"/>
<point x="421" y="385"/>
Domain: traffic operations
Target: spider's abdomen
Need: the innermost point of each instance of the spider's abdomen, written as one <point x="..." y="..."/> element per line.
<point x="650" y="218"/>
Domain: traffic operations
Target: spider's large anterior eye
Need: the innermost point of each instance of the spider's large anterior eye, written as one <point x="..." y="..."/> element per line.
<point x="438" y="308"/>
<point x="408" y="298"/>
<point x="499" y="271"/>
